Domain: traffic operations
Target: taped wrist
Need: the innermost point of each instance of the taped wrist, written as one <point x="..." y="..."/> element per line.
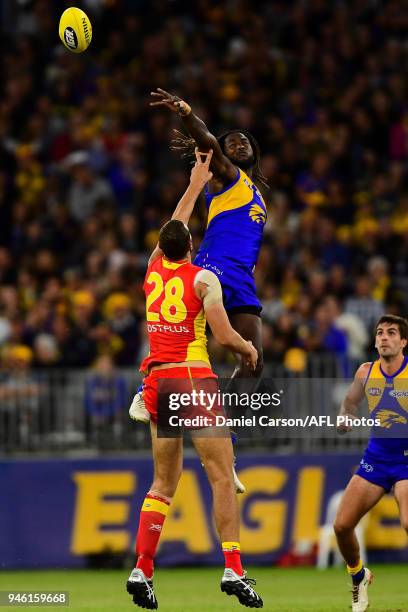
<point x="184" y="108"/>
<point x="214" y="291"/>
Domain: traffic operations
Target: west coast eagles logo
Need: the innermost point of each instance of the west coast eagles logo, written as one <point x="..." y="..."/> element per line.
<point x="257" y="214"/>
<point x="389" y="418"/>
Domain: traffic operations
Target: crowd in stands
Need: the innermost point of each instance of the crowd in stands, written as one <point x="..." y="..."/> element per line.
<point x="87" y="175"/>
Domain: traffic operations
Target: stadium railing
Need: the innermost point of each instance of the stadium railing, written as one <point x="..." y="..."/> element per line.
<point x="79" y="411"/>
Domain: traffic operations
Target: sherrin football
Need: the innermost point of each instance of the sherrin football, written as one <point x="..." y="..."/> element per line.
<point x="75" y="30"/>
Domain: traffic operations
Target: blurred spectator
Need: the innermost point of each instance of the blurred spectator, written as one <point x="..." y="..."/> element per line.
<point x="363" y="305"/>
<point x="106" y="397"/>
<point x="46" y="353"/>
<point x="312" y="184"/>
<point x="87" y="189"/>
<point x="76" y="349"/>
<point x="332" y="252"/>
<point x="377" y="268"/>
<point x="324" y="335"/>
<point x="124" y="324"/>
<point x="272" y="306"/>
<point x="284" y="336"/>
<point x="357" y="335"/>
<point x="20" y="396"/>
<point x="87" y="176"/>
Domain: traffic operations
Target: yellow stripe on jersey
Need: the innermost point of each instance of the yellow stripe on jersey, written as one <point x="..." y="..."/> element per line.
<point x="401" y="385"/>
<point x="172" y="265"/>
<point x="155" y="505"/>
<point x="191" y="378"/>
<point x="237" y="196"/>
<point x="197" y="349"/>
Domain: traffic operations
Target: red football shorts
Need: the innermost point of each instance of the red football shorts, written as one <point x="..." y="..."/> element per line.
<point x="160" y="385"/>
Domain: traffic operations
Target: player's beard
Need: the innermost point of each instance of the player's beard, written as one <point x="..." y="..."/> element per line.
<point x="388" y="354"/>
<point x="244" y="163"/>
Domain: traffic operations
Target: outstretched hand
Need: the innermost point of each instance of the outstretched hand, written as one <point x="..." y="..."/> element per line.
<point x="174" y="103"/>
<point x="201" y="174"/>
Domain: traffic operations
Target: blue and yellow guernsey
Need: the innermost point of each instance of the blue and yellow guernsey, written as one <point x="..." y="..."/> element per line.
<point x="387" y="398"/>
<point x="230" y="248"/>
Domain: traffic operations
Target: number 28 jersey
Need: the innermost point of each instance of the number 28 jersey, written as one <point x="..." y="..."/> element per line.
<point x="174" y="314"/>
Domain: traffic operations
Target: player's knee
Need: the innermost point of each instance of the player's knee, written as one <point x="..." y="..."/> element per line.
<point x="222" y="481"/>
<point x="219" y="473"/>
<point x="341" y="527"/>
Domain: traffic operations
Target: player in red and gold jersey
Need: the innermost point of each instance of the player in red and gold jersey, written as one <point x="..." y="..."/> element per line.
<point x="175" y="317"/>
<point x="174" y="309"/>
<point x="180" y="299"/>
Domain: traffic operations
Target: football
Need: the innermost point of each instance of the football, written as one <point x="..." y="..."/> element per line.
<point x="75" y="30"/>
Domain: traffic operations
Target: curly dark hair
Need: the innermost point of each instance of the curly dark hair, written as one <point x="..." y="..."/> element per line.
<point x="186" y="145"/>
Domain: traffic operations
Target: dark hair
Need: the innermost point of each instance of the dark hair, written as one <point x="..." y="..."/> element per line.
<point x="174" y="240"/>
<point x="186" y="145"/>
<point x="400" y="322"/>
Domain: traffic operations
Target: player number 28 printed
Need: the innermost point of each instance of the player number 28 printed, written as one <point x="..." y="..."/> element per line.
<point x="172" y="307"/>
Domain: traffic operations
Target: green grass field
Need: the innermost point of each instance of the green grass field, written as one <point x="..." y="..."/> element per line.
<point x="197" y="590"/>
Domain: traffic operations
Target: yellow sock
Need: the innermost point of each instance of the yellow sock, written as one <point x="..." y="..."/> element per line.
<point x="231" y="546"/>
<point x="354" y="570"/>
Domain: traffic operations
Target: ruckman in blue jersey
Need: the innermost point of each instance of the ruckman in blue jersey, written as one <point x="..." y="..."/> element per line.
<point x="230" y="248"/>
<point x="236" y="216"/>
<point x="384" y="466"/>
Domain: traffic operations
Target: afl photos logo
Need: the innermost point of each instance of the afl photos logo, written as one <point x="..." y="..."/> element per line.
<point x="70" y="38"/>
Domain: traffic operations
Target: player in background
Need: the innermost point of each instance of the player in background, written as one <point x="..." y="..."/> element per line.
<point x="236" y="217"/>
<point x="384" y="465"/>
<point x="180" y="298"/>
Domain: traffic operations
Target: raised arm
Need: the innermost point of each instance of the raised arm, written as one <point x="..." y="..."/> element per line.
<point x="200" y="175"/>
<point x="222" y="167"/>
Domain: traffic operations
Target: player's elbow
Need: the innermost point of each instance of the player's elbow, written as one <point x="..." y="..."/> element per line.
<point x="210" y="139"/>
